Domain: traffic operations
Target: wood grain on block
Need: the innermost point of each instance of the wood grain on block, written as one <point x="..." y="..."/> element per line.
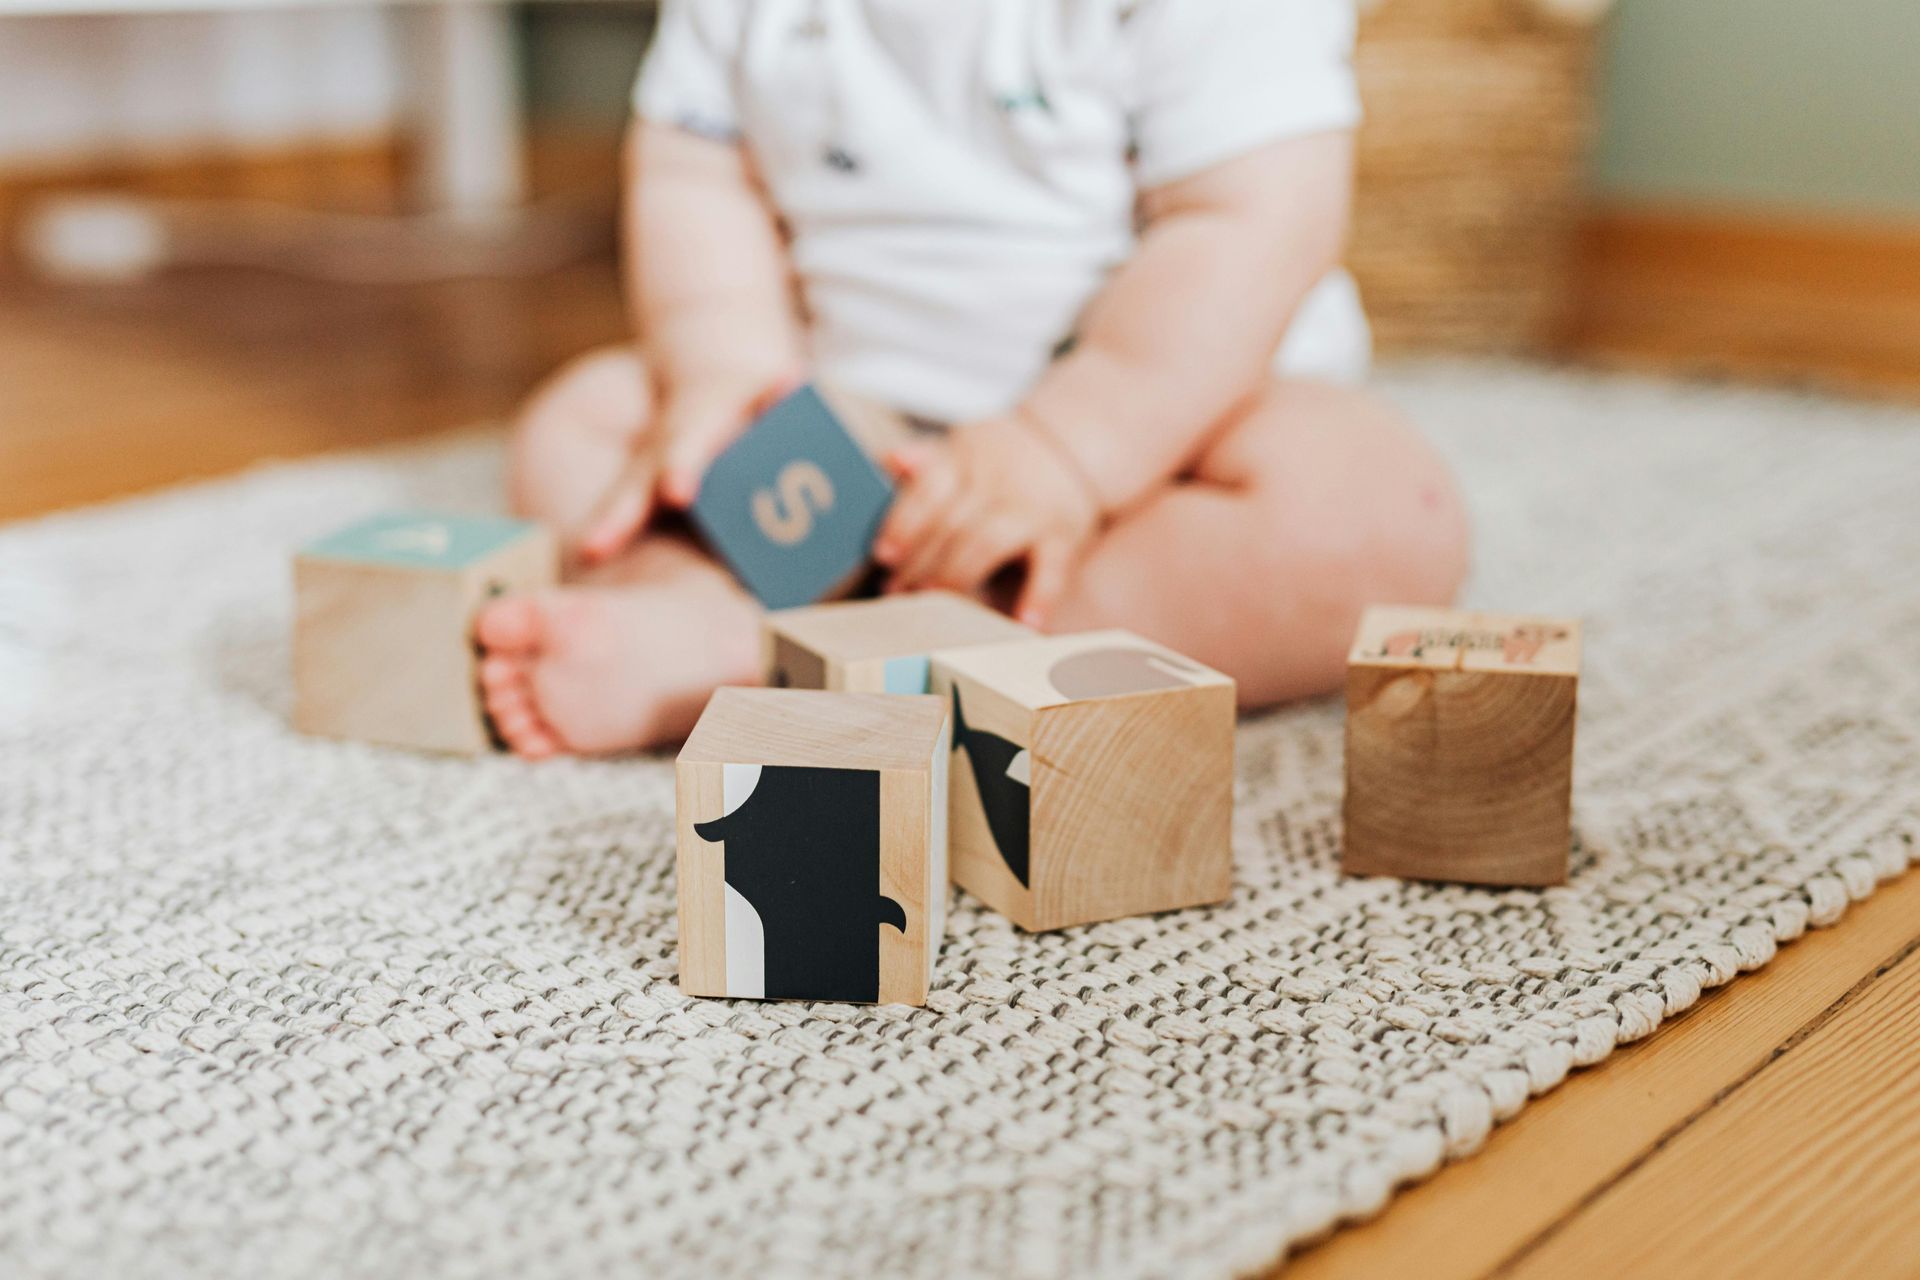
<point x="811" y="849"/>
<point x="698" y="794"/>
<point x="1093" y="777"/>
<point x="876" y="646"/>
<point x="786" y="664"/>
<point x="382" y="646"/>
<point x="1460" y="731"/>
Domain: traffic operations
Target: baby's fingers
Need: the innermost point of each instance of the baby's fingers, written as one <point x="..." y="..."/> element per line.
<point x="1049" y="570"/>
<point x="696" y="425"/>
<point x="623" y="511"/>
<point x="946" y="533"/>
<point x="929" y="486"/>
<point x="977" y="551"/>
<point x="700" y="423"/>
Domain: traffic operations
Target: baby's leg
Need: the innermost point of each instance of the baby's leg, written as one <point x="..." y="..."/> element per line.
<point x="574" y="436"/>
<point x="625" y="656"/>
<point x="1312" y="503"/>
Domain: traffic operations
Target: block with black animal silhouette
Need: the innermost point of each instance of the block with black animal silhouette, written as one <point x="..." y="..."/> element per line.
<point x="384" y="609"/>
<point x="792" y="506"/>
<point x="1093" y="777"/>
<point x="1459" y="757"/>
<point x="811" y="829"/>
<point x="875" y="646"/>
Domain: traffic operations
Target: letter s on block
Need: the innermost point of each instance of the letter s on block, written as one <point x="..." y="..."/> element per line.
<point x="787" y="517"/>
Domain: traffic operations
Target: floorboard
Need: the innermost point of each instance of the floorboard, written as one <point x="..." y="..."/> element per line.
<point x="107" y="391"/>
<point x="1807" y="1168"/>
<point x="1542" y="1170"/>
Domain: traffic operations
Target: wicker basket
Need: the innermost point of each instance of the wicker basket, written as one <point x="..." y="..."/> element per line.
<point x="1472" y="169"/>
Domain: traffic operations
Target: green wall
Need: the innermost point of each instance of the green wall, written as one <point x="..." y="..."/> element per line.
<point x="579" y="60"/>
<point x="1800" y="104"/>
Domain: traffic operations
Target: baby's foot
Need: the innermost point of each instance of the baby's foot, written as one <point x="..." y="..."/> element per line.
<point x="599" y="669"/>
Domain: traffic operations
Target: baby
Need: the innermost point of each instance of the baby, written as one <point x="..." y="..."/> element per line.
<point x="1099" y="237"/>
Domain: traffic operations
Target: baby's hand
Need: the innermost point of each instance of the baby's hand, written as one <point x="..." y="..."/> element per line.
<point x="694" y="420"/>
<point x="997" y="492"/>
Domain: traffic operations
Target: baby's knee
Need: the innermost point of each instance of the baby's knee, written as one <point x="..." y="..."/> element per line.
<point x="1424" y="525"/>
<point x="1442" y="543"/>
<point x="1354" y="506"/>
<point x="599" y="396"/>
<point x="573" y="436"/>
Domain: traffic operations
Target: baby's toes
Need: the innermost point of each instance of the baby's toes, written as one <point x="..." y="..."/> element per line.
<point x="537" y="743"/>
<point x="521" y="728"/>
<point x="506" y="691"/>
<point x="511" y="626"/>
<point x="503" y="681"/>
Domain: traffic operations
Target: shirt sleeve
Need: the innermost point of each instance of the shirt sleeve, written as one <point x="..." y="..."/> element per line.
<point x="687" y="79"/>
<point x="1214" y="79"/>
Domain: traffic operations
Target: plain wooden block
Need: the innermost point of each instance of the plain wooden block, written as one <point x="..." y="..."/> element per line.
<point x="1093" y="777"/>
<point x="811" y="830"/>
<point x="1460" y="746"/>
<point x="382" y="650"/>
<point x="875" y="646"/>
<point x="794" y="504"/>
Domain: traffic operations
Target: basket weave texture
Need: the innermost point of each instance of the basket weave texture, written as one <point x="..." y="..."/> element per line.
<point x="1472" y="170"/>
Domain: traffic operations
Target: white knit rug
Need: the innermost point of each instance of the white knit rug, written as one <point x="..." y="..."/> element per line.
<point x="274" y="1007"/>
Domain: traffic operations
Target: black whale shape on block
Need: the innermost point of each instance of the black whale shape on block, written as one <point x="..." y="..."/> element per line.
<point x="1006" y="801"/>
<point x="804" y="850"/>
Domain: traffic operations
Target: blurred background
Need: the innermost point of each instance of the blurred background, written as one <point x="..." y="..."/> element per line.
<point x="241" y="229"/>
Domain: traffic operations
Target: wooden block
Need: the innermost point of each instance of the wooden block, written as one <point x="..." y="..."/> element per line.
<point x="794" y="504"/>
<point x="1460" y="746"/>
<point x="812" y="837"/>
<point x="382" y="650"/>
<point x="1093" y="777"/>
<point x="875" y="646"/>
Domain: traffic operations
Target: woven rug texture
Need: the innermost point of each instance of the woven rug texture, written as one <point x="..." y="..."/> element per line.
<point x="274" y="1007"/>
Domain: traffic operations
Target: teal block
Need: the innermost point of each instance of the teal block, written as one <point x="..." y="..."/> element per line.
<point x="794" y="505"/>
<point x="906" y="675"/>
<point x="420" y="540"/>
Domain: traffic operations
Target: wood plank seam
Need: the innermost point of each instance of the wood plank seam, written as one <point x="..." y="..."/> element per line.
<point x="1600" y="1189"/>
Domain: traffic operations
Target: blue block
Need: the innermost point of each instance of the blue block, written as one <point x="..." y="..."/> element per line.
<point x="906" y="675"/>
<point x="794" y="505"/>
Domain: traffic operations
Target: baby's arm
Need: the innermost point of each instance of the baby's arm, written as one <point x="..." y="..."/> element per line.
<point x="1183" y="332"/>
<point x="707" y="280"/>
<point x="1187" y="328"/>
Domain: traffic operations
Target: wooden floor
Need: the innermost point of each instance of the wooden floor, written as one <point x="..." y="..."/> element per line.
<point x="104" y="391"/>
<point x="1774" y="1130"/>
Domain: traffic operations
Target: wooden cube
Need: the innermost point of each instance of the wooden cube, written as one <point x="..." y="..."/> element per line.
<point x="1093" y="777"/>
<point x="1460" y="746"/>
<point x="811" y="829"/>
<point x="875" y="646"/>
<point x="382" y="645"/>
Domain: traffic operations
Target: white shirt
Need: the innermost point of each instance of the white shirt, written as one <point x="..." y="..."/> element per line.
<point x="959" y="177"/>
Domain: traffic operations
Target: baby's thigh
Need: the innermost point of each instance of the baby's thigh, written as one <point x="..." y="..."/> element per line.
<point x="1315" y="444"/>
<point x="575" y="433"/>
